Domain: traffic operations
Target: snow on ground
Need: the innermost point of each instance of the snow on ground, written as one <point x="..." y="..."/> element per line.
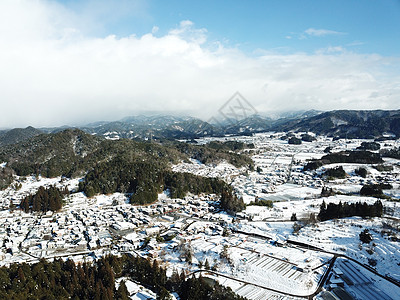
<point x="103" y="200"/>
<point x="222" y="170"/>
<point x="361" y="283"/>
<point x="136" y="291"/>
<point x="265" y="260"/>
<point x="343" y="236"/>
<point x="283" y="210"/>
<point x="30" y="185"/>
<point x="258" y="261"/>
<point x="280" y="179"/>
<point x="76" y="200"/>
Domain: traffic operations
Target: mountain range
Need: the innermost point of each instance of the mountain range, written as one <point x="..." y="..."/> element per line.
<point x="338" y="123"/>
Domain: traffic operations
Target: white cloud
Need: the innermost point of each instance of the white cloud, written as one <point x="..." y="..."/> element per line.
<point x="321" y="32"/>
<point x="155" y="29"/>
<point x="52" y="73"/>
<point x="187" y="31"/>
<point x="331" y="49"/>
<point x="355" y="43"/>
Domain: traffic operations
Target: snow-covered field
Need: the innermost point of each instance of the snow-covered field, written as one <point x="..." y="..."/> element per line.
<point x="282" y="181"/>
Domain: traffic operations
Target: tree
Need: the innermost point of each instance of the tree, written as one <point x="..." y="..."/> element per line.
<point x="159" y="239"/>
<point x="293" y="217"/>
<point x="362" y="172"/>
<point x="230" y="202"/>
<point x="226" y="232"/>
<point x="369" y="146"/>
<point x="365" y="236"/>
<point x="373" y="190"/>
<point x="163" y="294"/>
<point x="307" y="138"/>
<point x="224" y="255"/>
<point x="327" y="191"/>
<point x="207" y="265"/>
<point x="174" y="280"/>
<point x="343" y="210"/>
<point x="337" y="172"/>
<point x="122" y="292"/>
<point x="312" y="219"/>
<point x="294" y="141"/>
<point x="200" y="264"/>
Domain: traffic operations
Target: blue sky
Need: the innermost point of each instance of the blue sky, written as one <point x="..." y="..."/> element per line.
<point x="368" y="26"/>
<point x="74" y="62"/>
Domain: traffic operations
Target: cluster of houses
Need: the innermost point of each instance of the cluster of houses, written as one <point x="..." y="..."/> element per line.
<point x="84" y="227"/>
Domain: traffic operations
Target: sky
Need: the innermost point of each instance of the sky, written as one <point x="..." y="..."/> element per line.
<point x="75" y="62"/>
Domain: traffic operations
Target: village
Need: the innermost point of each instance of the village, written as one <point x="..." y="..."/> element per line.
<point x="258" y="252"/>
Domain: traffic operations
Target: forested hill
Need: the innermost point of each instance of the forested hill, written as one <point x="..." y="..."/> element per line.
<point x="50" y="154"/>
<point x="73" y="152"/>
<point x="8" y="137"/>
<point x="135" y="167"/>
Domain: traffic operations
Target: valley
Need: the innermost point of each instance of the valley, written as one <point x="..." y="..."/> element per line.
<point x="279" y="249"/>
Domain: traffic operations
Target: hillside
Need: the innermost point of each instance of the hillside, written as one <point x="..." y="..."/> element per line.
<point x="141" y="169"/>
<point x="8" y="137"/>
<point x="49" y="154"/>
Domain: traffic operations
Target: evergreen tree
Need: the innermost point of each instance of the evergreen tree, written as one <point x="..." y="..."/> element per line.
<point x="122" y="292"/>
<point x="365" y="236"/>
<point x="207" y="265"/>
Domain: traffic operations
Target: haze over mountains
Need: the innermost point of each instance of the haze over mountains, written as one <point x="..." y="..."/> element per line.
<point x="339" y="123"/>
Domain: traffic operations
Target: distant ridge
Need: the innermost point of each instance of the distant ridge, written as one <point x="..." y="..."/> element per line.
<point x="348" y="123"/>
<point x="8" y="137"/>
<point x="367" y="124"/>
<point x="158" y="127"/>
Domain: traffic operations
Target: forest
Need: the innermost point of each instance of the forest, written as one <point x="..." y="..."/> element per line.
<point x="66" y="280"/>
<point x="216" y="151"/>
<point x="72" y="153"/>
<point x="145" y="179"/>
<point x="139" y="168"/>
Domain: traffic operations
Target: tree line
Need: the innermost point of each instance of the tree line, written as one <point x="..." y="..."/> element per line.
<point x="60" y="280"/>
<point x="358" y="157"/>
<point x="344" y="210"/>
